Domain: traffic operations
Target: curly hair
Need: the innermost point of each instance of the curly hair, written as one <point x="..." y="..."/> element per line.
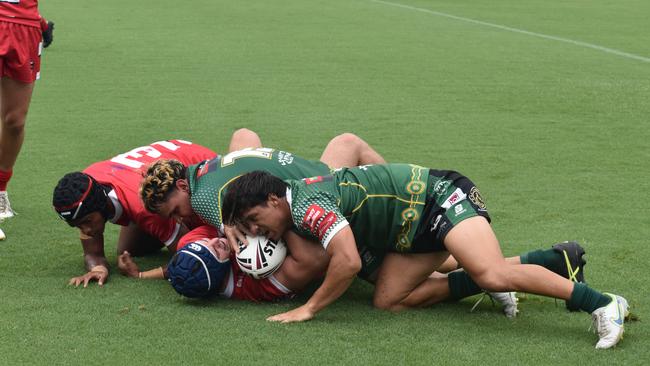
<point x="159" y="182"/>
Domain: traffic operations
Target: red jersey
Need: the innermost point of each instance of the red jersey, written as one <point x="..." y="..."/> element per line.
<point x="123" y="174"/>
<point x="20" y="11"/>
<point x="239" y="285"/>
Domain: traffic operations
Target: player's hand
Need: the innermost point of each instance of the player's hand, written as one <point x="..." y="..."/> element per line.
<point x="234" y="236"/>
<point x="299" y="314"/>
<point x="98" y="273"/>
<point x="127" y="266"/>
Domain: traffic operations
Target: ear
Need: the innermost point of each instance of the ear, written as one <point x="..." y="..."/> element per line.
<point x="183" y="185"/>
<point x="273" y="200"/>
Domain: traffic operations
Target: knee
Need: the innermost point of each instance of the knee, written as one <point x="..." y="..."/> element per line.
<point x="496" y="280"/>
<point x="243" y="132"/>
<point x="386" y="300"/>
<point x="14" y="122"/>
<point x="348" y="139"/>
<point x="383" y="303"/>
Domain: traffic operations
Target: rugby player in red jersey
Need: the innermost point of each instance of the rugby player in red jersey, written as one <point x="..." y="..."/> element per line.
<point x="21" y="32"/>
<point x="302" y="264"/>
<point x="305" y="261"/>
<point x="108" y="191"/>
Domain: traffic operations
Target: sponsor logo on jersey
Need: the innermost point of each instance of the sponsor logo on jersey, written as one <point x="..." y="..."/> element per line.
<point x="459" y="209"/>
<point x="441" y="186"/>
<point x="314" y="213"/>
<point x="313" y="180"/>
<point x="454" y="198"/>
<point x="285" y="158"/>
<point x="206" y="167"/>
<point x="325" y="224"/>
<point x="476" y="198"/>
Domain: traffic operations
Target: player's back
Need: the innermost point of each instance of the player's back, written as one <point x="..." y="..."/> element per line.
<point x="383" y="203"/>
<point x="209" y="180"/>
<point x="124" y="172"/>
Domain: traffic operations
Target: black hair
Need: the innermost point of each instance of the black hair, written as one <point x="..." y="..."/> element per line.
<point x="250" y="190"/>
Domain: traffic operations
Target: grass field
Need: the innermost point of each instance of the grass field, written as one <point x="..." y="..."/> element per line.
<point x="544" y="104"/>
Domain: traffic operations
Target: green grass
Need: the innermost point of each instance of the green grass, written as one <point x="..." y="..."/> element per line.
<point x="555" y="135"/>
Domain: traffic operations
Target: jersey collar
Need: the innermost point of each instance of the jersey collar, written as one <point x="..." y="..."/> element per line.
<point x="117" y="205"/>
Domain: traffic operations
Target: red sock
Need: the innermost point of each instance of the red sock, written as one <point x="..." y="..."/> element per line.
<point x="4" y="179"/>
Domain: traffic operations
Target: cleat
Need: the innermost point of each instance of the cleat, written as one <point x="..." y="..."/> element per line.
<point x="5" y="207"/>
<point x="574" y="263"/>
<point x="573" y="266"/>
<point x="507" y="300"/>
<point x="609" y="321"/>
<point x="48" y="35"/>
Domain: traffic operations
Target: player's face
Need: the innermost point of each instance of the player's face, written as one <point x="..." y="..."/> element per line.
<point x="91" y="225"/>
<point x="271" y="219"/>
<point x="177" y="206"/>
<point x="219" y="247"/>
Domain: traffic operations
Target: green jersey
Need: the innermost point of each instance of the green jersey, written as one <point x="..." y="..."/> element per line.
<point x="209" y="180"/>
<point x="382" y="204"/>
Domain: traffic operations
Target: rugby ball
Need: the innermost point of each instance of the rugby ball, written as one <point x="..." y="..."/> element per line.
<point x="262" y="256"/>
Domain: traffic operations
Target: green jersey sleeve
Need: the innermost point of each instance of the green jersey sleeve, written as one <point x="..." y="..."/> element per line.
<point x="314" y="209"/>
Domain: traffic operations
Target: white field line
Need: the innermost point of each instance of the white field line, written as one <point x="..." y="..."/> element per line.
<point x="521" y="31"/>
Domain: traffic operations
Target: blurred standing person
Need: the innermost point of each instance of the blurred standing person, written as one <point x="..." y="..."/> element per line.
<point x="21" y="32"/>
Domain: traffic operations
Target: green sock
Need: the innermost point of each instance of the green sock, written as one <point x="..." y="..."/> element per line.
<point x="545" y="258"/>
<point x="461" y="285"/>
<point x="587" y="299"/>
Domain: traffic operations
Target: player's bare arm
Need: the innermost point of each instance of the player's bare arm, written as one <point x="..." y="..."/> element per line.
<point x="307" y="261"/>
<point x="94" y="260"/>
<point x="343" y="267"/>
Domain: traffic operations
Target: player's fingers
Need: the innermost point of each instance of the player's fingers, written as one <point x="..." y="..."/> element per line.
<point x="275" y="318"/>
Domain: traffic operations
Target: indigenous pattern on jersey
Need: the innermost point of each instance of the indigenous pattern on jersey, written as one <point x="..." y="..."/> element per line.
<point x="23" y="12"/>
<point x="240" y="286"/>
<point x="209" y="180"/>
<point x="383" y="205"/>
<point x="123" y="174"/>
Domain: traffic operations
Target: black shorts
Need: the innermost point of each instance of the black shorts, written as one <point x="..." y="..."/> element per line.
<point x="451" y="198"/>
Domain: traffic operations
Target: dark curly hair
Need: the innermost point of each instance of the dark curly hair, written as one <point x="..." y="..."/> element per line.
<point x="160" y="181"/>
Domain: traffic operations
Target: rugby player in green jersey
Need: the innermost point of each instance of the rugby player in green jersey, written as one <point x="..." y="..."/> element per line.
<point x="418" y="217"/>
<point x="174" y="190"/>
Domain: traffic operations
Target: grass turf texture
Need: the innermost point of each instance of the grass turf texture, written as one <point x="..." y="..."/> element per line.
<point x="554" y="134"/>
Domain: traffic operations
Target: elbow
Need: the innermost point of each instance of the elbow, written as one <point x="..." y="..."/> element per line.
<point x="352" y="266"/>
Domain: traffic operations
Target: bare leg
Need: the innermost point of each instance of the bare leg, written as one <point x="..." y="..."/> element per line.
<point x="348" y="150"/>
<point x="405" y="280"/>
<point x="474" y="244"/>
<point x="15" y="97"/>
<point x="451" y="264"/>
<point x="244" y="138"/>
